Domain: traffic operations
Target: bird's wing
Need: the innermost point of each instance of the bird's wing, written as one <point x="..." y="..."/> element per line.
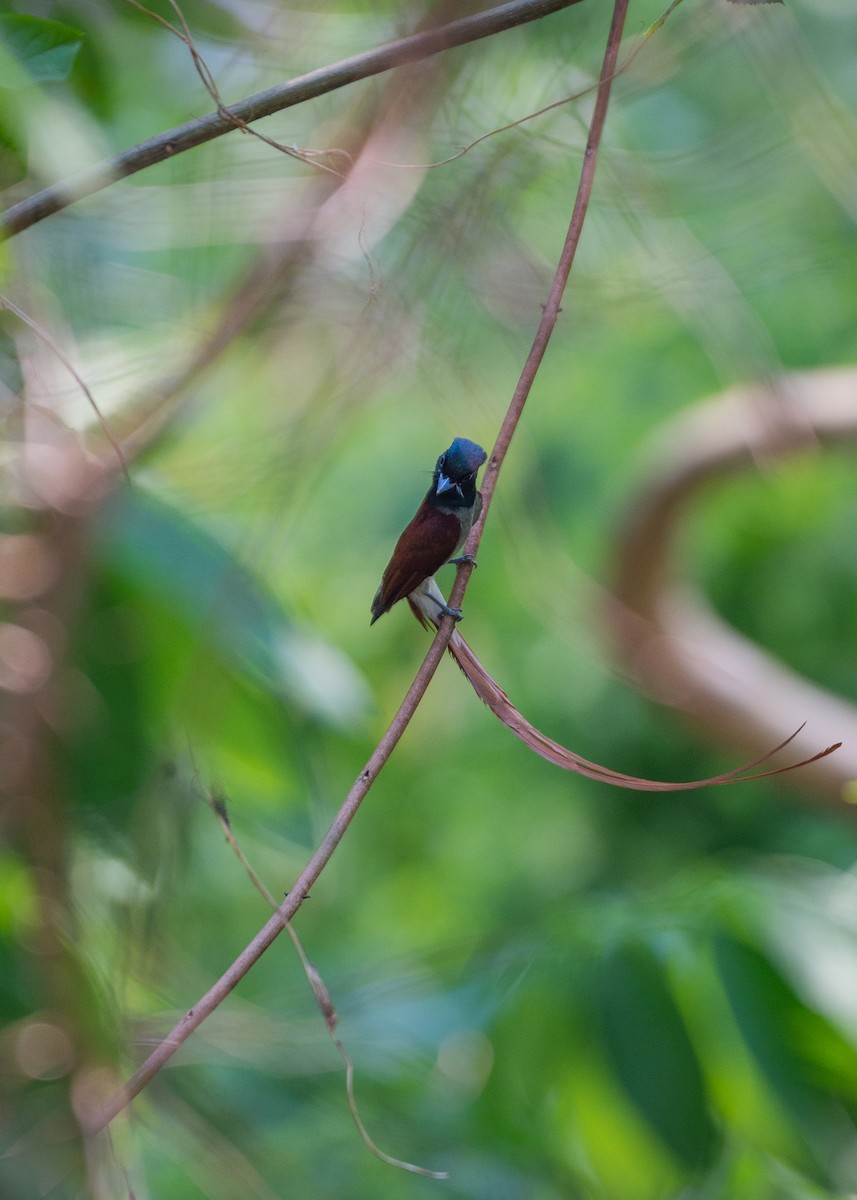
<point x="429" y="541"/>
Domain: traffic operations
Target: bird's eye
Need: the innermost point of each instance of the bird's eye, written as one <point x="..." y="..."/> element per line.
<point x="441" y="460"/>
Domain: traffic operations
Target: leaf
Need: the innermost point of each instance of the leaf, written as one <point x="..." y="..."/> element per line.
<point x="45" y="48"/>
<point x="765" y="1009"/>
<point x="184" y="567"/>
<point x="106" y="753"/>
<point x="793" y="1047"/>
<point x="652" y="1053"/>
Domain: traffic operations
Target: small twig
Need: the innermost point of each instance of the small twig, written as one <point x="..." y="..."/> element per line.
<point x="271" y="277"/>
<point x="539" y="112"/>
<point x="301" y="888"/>
<point x="208" y="82"/>
<point x="319" y="989"/>
<point x="194" y="1017"/>
<point x="44" y="336"/>
<point x="175" y="141"/>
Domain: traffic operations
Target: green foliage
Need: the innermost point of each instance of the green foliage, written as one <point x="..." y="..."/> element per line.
<point x="45" y="49"/>
<point x="549" y="988"/>
<point x="652" y="1053"/>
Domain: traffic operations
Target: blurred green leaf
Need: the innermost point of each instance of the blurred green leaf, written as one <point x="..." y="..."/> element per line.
<point x="652" y="1053"/>
<point x="180" y="563"/>
<point x="794" y="1048"/>
<point x="106" y="749"/>
<point x="13" y="151"/>
<point x="91" y="77"/>
<point x="45" y="48"/>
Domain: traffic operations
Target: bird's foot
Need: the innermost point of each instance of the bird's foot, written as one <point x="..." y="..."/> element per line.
<point x="446" y="611"/>
<point x="465" y="558"/>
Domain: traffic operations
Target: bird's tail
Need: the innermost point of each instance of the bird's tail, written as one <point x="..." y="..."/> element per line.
<point x="426" y="605"/>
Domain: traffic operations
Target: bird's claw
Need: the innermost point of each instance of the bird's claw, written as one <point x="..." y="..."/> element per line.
<point x="455" y="613"/>
<point x="465" y="558"/>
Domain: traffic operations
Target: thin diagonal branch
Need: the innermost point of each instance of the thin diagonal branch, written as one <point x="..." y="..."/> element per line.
<point x="175" y="141"/>
<point x="552" y="307"/>
<point x="194" y="1017"/>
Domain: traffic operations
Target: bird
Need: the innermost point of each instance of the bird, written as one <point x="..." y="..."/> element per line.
<point x="438" y="530"/>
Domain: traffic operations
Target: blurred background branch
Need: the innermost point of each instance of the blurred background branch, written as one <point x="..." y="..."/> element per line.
<point x="667" y="637"/>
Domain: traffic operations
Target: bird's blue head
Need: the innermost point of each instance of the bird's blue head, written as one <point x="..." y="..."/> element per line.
<point x="458" y="465"/>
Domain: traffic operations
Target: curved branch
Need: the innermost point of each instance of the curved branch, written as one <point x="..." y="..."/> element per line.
<point x="285" y="95"/>
<point x="679" y="651"/>
<point x="239" y="968"/>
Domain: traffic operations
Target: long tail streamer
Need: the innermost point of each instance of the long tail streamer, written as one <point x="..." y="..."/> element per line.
<point x="492" y="695"/>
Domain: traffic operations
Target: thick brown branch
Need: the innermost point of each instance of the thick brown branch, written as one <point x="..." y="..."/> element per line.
<point x="285" y="95"/>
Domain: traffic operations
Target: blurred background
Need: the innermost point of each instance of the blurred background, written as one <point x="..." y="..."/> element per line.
<point x="550" y="988"/>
